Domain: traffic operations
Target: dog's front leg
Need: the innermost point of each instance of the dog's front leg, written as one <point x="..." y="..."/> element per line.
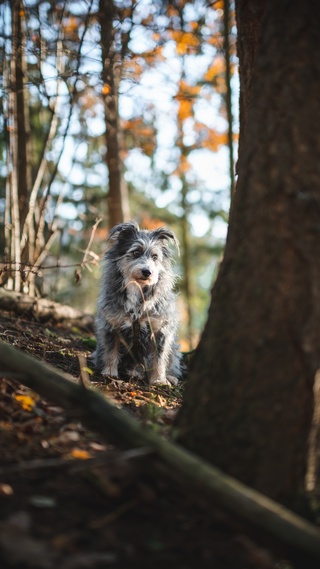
<point x="160" y="354"/>
<point x="111" y="354"/>
<point x="106" y="356"/>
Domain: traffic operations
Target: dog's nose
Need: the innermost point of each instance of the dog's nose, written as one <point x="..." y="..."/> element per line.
<point x="146" y="273"/>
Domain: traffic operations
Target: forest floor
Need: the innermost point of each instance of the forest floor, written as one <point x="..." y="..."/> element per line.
<point x="56" y="511"/>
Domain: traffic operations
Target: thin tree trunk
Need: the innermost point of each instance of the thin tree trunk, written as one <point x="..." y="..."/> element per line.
<point x="14" y="152"/>
<point x="24" y="174"/>
<point x="249" y="401"/>
<point x="118" y="199"/>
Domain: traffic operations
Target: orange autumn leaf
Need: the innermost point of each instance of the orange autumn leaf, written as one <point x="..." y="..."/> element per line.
<point x="183" y="166"/>
<point x="216" y="41"/>
<point x="186" y="90"/>
<point x="106" y="89"/>
<point x="132" y="68"/>
<point x="171" y="11"/>
<point x="139" y="134"/>
<point x="219" y="5"/>
<point x="70" y="27"/>
<point x="216" y="69"/>
<point x="26" y="402"/>
<point x="220" y="85"/>
<point x="148" y="222"/>
<point x="152" y="55"/>
<point x="186" y="41"/>
<point x="81" y="454"/>
<point x="193" y="25"/>
<point x="214" y="140"/>
<point x="185" y="109"/>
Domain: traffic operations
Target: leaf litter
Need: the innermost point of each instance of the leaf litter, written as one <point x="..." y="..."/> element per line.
<point x="68" y="498"/>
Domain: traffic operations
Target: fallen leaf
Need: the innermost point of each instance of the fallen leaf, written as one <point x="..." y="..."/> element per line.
<point x="6" y="490"/>
<point x="69" y="436"/>
<point x="79" y="453"/>
<point x="26" y="402"/>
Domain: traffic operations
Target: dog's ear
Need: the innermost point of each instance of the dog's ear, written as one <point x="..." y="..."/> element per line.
<point x="165" y="234"/>
<point x="123" y="231"/>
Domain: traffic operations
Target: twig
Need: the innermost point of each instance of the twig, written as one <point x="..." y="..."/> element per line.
<point x="75" y="464"/>
<point x="93" y="231"/>
<point x="84" y="379"/>
<point x="4" y="266"/>
<point x="109" y="518"/>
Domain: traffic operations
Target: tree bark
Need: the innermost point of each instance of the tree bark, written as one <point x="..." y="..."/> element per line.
<point x="249" y="401"/>
<point x="295" y="537"/>
<point x="118" y="199"/>
<point x="248" y="15"/>
<point x="22" y="110"/>
<point x="228" y="93"/>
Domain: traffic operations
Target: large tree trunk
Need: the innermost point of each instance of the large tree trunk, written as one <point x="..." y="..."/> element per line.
<point x="228" y="92"/>
<point x="249" y="401"/>
<point x="248" y="15"/>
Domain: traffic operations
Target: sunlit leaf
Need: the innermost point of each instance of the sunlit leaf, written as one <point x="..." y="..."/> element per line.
<point x="26" y="402"/>
<point x="214" y="140"/>
<point x="70" y="27"/>
<point x="216" y="69"/>
<point x="185" y="109"/>
<point x="171" y="11"/>
<point x="106" y="89"/>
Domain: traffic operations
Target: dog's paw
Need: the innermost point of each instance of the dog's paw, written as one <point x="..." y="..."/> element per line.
<point x="159" y="381"/>
<point x="169" y="381"/>
<point x="108" y="373"/>
<point x="172" y="380"/>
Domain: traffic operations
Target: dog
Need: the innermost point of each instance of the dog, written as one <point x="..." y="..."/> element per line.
<point x="136" y="321"/>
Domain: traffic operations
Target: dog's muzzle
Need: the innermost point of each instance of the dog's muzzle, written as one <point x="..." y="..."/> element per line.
<point x="146" y="273"/>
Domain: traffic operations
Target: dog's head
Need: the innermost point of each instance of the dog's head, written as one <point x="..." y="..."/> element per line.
<point x="143" y="256"/>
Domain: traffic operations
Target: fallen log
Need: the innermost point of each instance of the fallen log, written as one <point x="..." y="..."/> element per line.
<point x="297" y="538"/>
<point x="43" y="309"/>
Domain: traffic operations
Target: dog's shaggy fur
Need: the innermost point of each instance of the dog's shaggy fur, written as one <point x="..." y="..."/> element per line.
<point x="136" y="322"/>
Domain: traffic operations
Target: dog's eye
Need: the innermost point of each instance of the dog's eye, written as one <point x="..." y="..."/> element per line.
<point x="155" y="257"/>
<point x="136" y="253"/>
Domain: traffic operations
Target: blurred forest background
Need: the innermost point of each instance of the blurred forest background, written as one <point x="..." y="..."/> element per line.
<point x="112" y="110"/>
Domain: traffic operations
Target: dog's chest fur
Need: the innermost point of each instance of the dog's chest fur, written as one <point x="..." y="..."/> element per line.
<point x="134" y="303"/>
<point x="138" y="308"/>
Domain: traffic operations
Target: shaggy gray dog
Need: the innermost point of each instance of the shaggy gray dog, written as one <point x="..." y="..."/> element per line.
<point x="136" y="322"/>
